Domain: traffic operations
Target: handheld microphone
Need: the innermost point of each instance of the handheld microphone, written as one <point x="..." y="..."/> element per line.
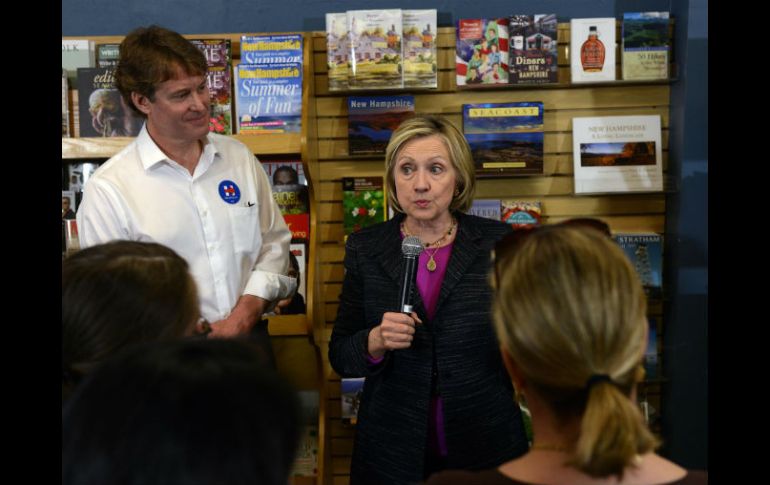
<point x="411" y="247"/>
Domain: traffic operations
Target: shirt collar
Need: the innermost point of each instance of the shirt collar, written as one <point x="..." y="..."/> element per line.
<point x="150" y="153"/>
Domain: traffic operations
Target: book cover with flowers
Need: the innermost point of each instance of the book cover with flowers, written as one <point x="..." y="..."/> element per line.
<point x="218" y="54"/>
<point x="363" y="202"/>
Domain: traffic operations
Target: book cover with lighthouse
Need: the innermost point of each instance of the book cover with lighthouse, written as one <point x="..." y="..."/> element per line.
<point x="268" y="98"/>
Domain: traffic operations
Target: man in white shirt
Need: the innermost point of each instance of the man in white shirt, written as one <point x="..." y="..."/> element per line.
<point x="204" y="195"/>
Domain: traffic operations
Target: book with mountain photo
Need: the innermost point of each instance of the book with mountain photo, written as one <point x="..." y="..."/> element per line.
<point x="505" y="138"/>
<point x="617" y="154"/>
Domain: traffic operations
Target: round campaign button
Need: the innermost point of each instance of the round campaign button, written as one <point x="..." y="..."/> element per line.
<point x="229" y="191"/>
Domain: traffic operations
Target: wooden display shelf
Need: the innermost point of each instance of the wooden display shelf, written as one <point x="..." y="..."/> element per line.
<point x="288" y="325"/>
<point x="268" y="144"/>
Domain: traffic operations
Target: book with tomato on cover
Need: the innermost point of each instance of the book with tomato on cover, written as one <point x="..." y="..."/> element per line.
<point x="363" y="202"/>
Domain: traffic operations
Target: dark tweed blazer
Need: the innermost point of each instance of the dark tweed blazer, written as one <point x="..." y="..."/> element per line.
<point x="483" y="425"/>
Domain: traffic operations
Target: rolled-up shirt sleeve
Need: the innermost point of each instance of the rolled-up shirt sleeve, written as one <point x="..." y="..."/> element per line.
<point x="268" y="278"/>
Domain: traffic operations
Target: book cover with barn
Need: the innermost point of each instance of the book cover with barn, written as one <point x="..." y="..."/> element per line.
<point x="376" y="55"/>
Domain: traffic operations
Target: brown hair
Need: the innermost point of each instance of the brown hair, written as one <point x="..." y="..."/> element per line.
<point x="570" y="306"/>
<point x="122" y="293"/>
<point x="152" y="55"/>
<point x="459" y="152"/>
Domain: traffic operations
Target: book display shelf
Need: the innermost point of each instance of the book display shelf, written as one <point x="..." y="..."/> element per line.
<point x="323" y="144"/>
<point x="636" y="212"/>
<point x="294" y="336"/>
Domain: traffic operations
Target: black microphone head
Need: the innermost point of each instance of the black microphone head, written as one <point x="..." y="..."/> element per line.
<point x="411" y="246"/>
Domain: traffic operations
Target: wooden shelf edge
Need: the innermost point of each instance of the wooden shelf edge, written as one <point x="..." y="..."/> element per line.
<point x="272" y="143"/>
<point x="93" y="147"/>
<point x="268" y="144"/>
<point x="287" y="325"/>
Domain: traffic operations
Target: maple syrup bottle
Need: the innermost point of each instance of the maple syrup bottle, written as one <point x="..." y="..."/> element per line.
<point x="592" y="52"/>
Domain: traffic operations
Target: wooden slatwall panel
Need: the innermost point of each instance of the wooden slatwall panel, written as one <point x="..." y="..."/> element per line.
<point x="624" y="212"/>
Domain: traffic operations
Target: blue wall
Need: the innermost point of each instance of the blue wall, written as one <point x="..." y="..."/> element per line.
<point x="686" y="322"/>
<point x="686" y="261"/>
<point x="99" y="17"/>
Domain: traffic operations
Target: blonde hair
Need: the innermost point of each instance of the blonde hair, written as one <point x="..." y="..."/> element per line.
<point x="459" y="153"/>
<point x="570" y="306"/>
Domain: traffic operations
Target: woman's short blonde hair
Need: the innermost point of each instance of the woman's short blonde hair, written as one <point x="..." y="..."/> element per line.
<point x="569" y="306"/>
<point x="459" y="153"/>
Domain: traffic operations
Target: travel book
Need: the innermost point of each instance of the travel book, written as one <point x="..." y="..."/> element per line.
<point x="372" y="120"/>
<point x="651" y="361"/>
<point x="76" y="53"/>
<point x="351" y="391"/>
<point x="290" y="192"/>
<point x="521" y="213"/>
<point x="592" y="50"/>
<point x="487" y="208"/>
<point x="645" y="250"/>
<point x="617" y="154"/>
<point x="306" y="456"/>
<point x="481" y="51"/>
<point x="337" y="51"/>
<point x="533" y="49"/>
<point x="65" y="105"/>
<point x="107" y="55"/>
<point x="420" y="63"/>
<point x="376" y="57"/>
<point x="363" y="203"/>
<point x="505" y="138"/>
<point x="218" y="54"/>
<point x="271" y="49"/>
<point x="268" y="98"/>
<point x="299" y="250"/>
<point x="645" y="45"/>
<point x="68" y="209"/>
<point x="102" y="111"/>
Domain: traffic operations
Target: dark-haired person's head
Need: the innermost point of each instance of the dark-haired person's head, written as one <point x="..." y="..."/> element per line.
<point x="151" y="55"/>
<point x="285" y="175"/>
<point x="203" y="412"/>
<point x="119" y="294"/>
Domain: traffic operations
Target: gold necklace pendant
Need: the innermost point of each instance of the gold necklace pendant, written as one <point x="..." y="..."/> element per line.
<point x="431" y="263"/>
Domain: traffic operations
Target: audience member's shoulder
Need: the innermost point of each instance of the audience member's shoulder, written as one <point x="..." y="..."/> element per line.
<point x="464" y="477"/>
